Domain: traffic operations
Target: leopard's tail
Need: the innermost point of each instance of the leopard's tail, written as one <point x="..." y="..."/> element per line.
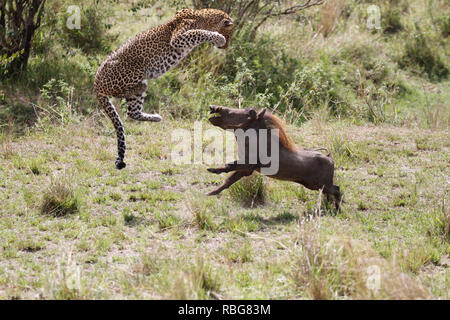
<point x="110" y="110"/>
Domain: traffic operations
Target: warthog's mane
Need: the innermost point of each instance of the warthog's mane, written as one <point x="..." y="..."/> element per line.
<point x="273" y="122"/>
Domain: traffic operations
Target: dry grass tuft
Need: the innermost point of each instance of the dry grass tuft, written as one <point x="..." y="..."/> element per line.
<point x="437" y="117"/>
<point x="250" y="191"/>
<point x="331" y="11"/>
<point x="6" y="147"/>
<point x="199" y="282"/>
<point x="339" y="268"/>
<point x="60" y="199"/>
<point x="146" y="265"/>
<point x="440" y="222"/>
<point x="202" y="216"/>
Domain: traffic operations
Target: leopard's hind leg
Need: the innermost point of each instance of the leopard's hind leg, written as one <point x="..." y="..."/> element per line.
<point x="118" y="126"/>
<point x="135" y="102"/>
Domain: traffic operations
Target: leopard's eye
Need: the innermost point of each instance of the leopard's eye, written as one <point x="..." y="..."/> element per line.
<point x="227" y="23"/>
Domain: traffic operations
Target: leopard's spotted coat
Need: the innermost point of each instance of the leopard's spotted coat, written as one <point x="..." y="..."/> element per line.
<point x="150" y="54"/>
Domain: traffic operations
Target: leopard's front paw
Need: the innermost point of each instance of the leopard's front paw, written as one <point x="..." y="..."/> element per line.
<point x="219" y="40"/>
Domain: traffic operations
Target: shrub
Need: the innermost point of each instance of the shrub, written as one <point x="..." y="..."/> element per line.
<point x="262" y="65"/>
<point x="392" y="20"/>
<point x="262" y="74"/>
<point x="252" y="73"/>
<point x="443" y="23"/>
<point x="313" y="87"/>
<point x="92" y="36"/>
<point x="56" y="103"/>
<point x="418" y="54"/>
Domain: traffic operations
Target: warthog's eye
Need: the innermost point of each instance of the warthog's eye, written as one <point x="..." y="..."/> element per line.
<point x="251" y="113"/>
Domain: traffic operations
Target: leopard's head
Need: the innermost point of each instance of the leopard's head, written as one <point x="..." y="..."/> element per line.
<point x="210" y="19"/>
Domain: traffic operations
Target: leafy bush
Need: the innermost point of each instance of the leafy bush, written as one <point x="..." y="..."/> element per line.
<point x="56" y="104"/>
<point x="269" y="67"/>
<point x="391" y="16"/>
<point x="418" y="55"/>
<point x="252" y="74"/>
<point x="443" y="23"/>
<point x="392" y="21"/>
<point x="92" y="37"/>
<point x="313" y="86"/>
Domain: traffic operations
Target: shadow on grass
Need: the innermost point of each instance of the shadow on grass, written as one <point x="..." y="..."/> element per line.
<point x="286" y="218"/>
<point x="135" y="221"/>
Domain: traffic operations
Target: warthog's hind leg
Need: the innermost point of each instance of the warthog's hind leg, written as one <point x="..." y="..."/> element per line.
<point x="336" y="193"/>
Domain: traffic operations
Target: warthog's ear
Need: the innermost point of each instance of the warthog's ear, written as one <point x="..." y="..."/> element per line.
<point x="261" y="114"/>
<point x="251" y="114"/>
<point x="214" y="109"/>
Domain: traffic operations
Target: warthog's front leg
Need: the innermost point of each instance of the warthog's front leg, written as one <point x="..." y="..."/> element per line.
<point x="235" y="176"/>
<point x="234" y="166"/>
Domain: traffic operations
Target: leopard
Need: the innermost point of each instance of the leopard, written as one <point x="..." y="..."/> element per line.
<point x="149" y="55"/>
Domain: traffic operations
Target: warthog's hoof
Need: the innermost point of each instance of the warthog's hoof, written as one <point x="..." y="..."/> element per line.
<point x="120" y="165"/>
<point x="212" y="193"/>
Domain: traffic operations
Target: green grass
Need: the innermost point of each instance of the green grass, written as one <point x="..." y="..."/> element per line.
<point x="164" y="227"/>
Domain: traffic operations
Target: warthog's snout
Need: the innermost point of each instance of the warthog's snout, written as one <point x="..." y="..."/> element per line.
<point x="217" y="120"/>
<point x="228" y="118"/>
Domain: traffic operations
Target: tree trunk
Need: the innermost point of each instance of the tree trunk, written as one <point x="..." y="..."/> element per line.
<point x="18" y="21"/>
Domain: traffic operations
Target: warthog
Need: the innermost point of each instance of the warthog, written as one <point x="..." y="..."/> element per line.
<point x="310" y="168"/>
